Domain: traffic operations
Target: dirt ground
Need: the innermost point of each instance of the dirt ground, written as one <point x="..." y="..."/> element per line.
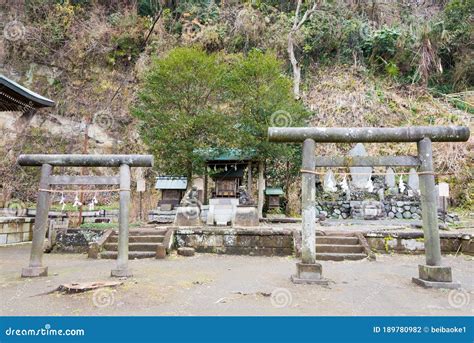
<point x="209" y="284"/>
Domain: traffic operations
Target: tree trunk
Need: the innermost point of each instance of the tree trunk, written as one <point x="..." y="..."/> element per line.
<point x="261" y="188"/>
<point x="295" y="66"/>
<point x="297" y="23"/>
<point x="189" y="174"/>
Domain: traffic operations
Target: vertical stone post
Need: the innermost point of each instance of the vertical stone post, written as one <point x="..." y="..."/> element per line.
<point x="41" y="223"/>
<point x="249" y="178"/>
<point x="308" y="271"/>
<point x="122" y="256"/>
<point x="308" y="198"/>
<point x="261" y="188"/>
<point x="206" y="186"/>
<point x="432" y="274"/>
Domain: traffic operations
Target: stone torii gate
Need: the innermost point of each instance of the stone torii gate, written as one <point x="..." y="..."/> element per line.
<point x="47" y="162"/>
<point x="432" y="274"/>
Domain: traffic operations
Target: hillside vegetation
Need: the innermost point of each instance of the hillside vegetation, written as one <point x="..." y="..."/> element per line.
<point x="363" y="63"/>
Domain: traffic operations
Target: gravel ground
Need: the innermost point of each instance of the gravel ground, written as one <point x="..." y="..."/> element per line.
<point x="209" y="284"/>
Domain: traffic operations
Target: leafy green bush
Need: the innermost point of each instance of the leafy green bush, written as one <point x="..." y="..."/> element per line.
<point x="128" y="38"/>
<point x="148" y="7"/>
<point x="381" y="45"/>
<point x="454" y="34"/>
<point x="334" y="33"/>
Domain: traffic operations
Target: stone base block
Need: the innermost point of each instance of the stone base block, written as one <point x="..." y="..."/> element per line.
<point x="186" y="251"/>
<point x="160" y="252"/>
<point x="309" y="273"/>
<point x="436" y="284"/>
<point x="188" y="216"/>
<point x="435" y="273"/>
<point x="34" y="271"/>
<point x="246" y="216"/>
<point x="121" y="273"/>
<point x="93" y="251"/>
<point x="435" y="277"/>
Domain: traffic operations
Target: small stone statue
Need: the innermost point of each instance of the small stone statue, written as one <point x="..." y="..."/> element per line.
<point x="191" y="198"/>
<point x="244" y="197"/>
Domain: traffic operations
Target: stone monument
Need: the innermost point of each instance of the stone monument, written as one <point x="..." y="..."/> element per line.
<point x="390" y="181"/>
<point x="414" y="181"/>
<point x="188" y="213"/>
<point x="360" y="175"/>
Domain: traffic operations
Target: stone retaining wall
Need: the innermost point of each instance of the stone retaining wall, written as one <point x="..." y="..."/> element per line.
<point x="76" y="240"/>
<point x="413" y="243"/>
<point x="16" y="229"/>
<point x="280" y="242"/>
<point x="403" y="209"/>
<point x="375" y="209"/>
<point x="253" y="242"/>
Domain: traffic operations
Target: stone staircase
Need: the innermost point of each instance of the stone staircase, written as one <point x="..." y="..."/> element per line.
<point x="340" y="248"/>
<point x="143" y="243"/>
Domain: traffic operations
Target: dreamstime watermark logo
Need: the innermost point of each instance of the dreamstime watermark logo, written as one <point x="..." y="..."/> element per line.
<point x="458" y="298"/>
<point x="281" y="118"/>
<point x="103" y="297"/>
<point x="281" y="297"/>
<point x="104" y="119"/>
<point x="14" y="31"/>
<point x="15" y="207"/>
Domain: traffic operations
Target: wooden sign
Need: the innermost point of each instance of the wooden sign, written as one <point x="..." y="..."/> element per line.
<point x="141" y="185"/>
<point x="443" y="189"/>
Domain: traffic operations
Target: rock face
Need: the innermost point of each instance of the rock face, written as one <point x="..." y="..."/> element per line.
<point x="98" y="131"/>
<point x="360" y="181"/>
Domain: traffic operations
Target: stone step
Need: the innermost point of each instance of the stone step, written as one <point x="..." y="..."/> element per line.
<point x="133" y="246"/>
<point x="339" y="248"/>
<point x="147" y="232"/>
<point x="132" y="255"/>
<point x="339" y="240"/>
<point x="139" y="239"/>
<point x="339" y="256"/>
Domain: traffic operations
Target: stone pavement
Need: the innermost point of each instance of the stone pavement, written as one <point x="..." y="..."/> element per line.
<point x="208" y="284"/>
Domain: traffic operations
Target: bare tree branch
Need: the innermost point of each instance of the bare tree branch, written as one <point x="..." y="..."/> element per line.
<point x="297" y="23"/>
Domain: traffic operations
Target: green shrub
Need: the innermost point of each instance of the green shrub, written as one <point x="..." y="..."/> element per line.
<point x="148" y="7"/>
<point x="381" y="45"/>
<point x="454" y="33"/>
<point x="334" y="33"/>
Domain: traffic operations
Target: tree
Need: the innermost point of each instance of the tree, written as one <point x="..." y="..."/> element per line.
<point x="262" y="97"/>
<point x="179" y="108"/>
<point x="297" y="23"/>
